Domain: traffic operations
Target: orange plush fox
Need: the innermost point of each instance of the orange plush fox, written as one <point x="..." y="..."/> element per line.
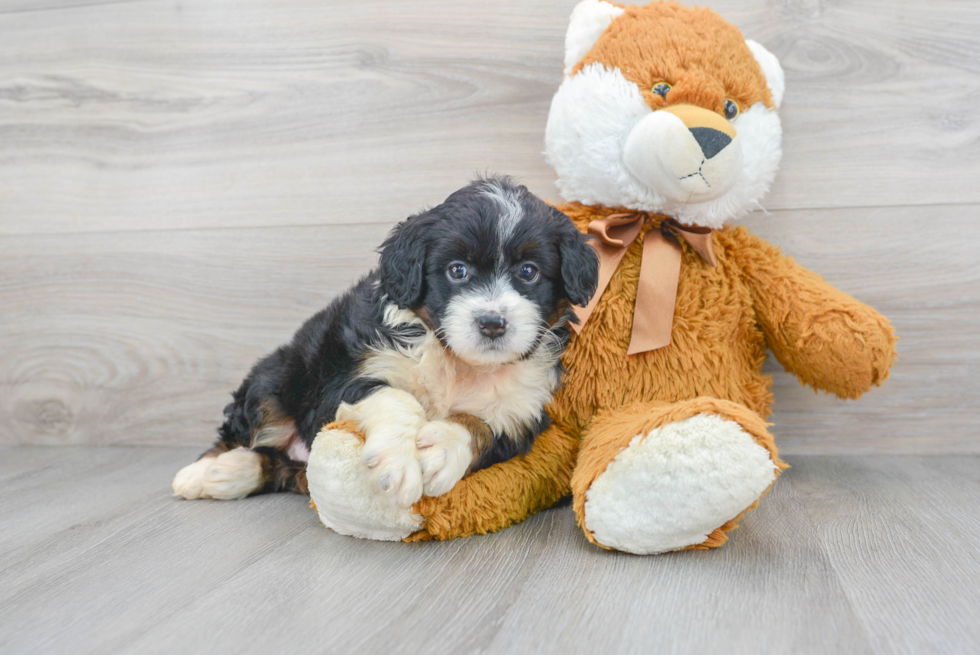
<point x="662" y="132"/>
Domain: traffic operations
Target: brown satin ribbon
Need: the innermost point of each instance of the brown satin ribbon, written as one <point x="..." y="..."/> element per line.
<point x="660" y="270"/>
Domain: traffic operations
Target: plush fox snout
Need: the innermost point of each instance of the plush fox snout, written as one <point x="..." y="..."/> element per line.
<point x="685" y="153"/>
<point x="712" y="132"/>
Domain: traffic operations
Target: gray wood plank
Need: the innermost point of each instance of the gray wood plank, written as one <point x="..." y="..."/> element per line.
<point x="69" y="500"/>
<point x="927" y="281"/>
<point x="771" y="589"/>
<point x="91" y="320"/>
<point x="902" y="535"/>
<point x="119" y="116"/>
<point x="98" y="564"/>
<point x="541" y="588"/>
<point x="847" y="554"/>
<point x="138" y="337"/>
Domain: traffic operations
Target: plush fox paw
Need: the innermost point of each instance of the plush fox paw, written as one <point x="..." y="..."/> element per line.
<point x="345" y="496"/>
<point x="673" y="487"/>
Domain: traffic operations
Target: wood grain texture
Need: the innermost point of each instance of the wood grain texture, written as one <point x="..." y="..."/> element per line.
<point x="137" y="337"/>
<point x="894" y="532"/>
<point x="847" y="554"/>
<point x="182" y="184"/>
<point x="926" y="280"/>
<point x="119" y="116"/>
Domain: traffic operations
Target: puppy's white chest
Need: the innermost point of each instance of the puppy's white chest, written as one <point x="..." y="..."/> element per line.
<point x="507" y="398"/>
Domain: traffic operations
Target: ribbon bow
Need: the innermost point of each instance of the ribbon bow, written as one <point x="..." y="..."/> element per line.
<point x="660" y="270"/>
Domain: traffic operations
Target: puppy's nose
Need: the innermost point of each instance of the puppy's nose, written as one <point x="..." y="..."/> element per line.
<point x="491" y="325"/>
<point x="711" y="140"/>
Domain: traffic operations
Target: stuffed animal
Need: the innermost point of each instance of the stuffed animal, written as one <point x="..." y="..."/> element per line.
<point x="663" y="131"/>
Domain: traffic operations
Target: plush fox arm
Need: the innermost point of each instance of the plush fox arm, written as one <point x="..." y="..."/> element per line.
<point x="503" y="494"/>
<point x="820" y="334"/>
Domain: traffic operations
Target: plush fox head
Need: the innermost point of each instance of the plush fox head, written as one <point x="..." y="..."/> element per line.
<point x="664" y="109"/>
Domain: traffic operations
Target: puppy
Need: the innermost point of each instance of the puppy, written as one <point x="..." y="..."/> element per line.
<point x="445" y="356"/>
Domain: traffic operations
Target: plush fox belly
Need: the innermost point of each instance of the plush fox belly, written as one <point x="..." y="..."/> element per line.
<point x="717" y="347"/>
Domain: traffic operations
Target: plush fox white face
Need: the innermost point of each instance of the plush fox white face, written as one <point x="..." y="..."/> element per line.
<point x="664" y="109"/>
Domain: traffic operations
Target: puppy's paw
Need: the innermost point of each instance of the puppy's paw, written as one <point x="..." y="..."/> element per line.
<point x="394" y="465"/>
<point x="385" y="407"/>
<point x="189" y="481"/>
<point x="445" y="455"/>
<point x="233" y="474"/>
<point x="349" y="412"/>
<point x="391" y="419"/>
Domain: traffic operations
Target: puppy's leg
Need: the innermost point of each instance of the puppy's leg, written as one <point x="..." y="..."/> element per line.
<point x="391" y="419"/>
<point x="248" y="457"/>
<point x="232" y="475"/>
<point x="223" y="472"/>
<point x="189" y="481"/>
<point x="276" y="442"/>
<point x="240" y="472"/>
<point x="462" y="444"/>
<point x="449" y="449"/>
<point x="281" y="473"/>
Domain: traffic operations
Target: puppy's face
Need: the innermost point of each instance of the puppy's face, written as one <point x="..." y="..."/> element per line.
<point x="491" y="270"/>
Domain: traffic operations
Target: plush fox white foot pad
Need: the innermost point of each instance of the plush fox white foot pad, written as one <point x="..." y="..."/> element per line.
<point x="345" y="497"/>
<point x="672" y="487"/>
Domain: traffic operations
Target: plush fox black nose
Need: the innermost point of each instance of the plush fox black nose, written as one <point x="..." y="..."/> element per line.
<point x="711" y="140"/>
<point x="491" y="325"/>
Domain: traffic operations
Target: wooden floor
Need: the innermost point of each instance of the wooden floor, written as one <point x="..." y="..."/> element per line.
<point x="848" y="554"/>
<point x="183" y="183"/>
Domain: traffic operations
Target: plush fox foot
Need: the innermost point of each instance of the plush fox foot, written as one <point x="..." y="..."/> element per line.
<point x="679" y="479"/>
<point x="349" y="499"/>
<point x="345" y="495"/>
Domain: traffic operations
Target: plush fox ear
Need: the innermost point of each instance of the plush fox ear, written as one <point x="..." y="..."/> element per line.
<point x="589" y="20"/>
<point x="771" y="69"/>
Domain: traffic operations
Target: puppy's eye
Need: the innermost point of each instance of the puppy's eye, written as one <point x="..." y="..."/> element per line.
<point x="731" y="109"/>
<point x="457" y="271"/>
<point x="661" y="89"/>
<point x="528" y="273"/>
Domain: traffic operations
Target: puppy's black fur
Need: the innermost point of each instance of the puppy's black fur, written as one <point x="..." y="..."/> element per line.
<point x="292" y="393"/>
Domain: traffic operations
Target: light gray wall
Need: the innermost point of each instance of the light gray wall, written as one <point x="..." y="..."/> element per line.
<point x="181" y="184"/>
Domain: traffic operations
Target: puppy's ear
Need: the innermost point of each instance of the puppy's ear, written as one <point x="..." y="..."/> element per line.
<point x="579" y="265"/>
<point x="402" y="263"/>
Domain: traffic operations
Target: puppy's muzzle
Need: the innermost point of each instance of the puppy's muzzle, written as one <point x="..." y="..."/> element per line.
<point x="492" y="325"/>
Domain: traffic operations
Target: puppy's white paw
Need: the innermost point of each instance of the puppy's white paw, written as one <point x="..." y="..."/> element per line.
<point x="233" y="475"/>
<point x="189" y="481"/>
<point x="384" y="408"/>
<point x="391" y="419"/>
<point x="394" y="464"/>
<point x="348" y="412"/>
<point x="445" y="455"/>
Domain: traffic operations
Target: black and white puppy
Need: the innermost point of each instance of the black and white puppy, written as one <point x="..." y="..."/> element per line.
<point x="445" y="356"/>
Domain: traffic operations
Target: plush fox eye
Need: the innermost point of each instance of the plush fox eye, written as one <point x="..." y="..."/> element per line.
<point x="661" y="89"/>
<point x="457" y="271"/>
<point x="731" y="109"/>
